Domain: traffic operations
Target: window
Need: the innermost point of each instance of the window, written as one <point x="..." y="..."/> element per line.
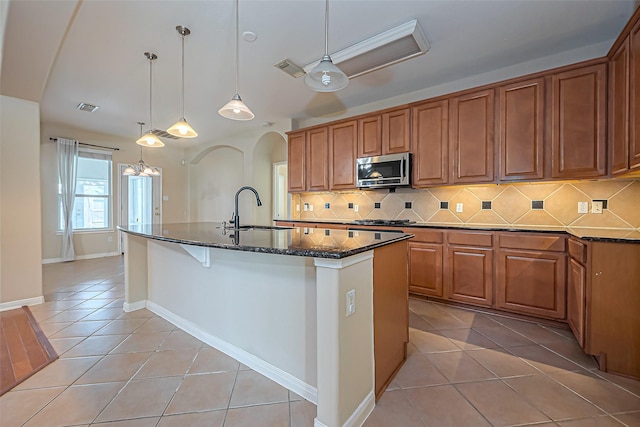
<point x="92" y="206"/>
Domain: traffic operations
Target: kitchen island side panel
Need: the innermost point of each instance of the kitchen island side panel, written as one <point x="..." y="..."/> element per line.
<point x="264" y="304"/>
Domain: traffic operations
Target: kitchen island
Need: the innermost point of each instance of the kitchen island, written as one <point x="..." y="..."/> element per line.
<point x="293" y="304"/>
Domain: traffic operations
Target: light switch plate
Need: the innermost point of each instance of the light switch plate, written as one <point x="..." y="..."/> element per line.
<point x="297" y="208"/>
<point x="596" y="207"/>
<point x="310" y="208"/>
<point x="583" y="207"/>
<point x="355" y="208"/>
<point x="351" y="302"/>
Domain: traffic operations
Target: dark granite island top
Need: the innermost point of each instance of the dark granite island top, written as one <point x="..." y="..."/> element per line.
<point x="315" y="243"/>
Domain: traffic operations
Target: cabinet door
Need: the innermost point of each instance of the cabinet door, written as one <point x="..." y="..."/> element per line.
<point x="471" y="137"/>
<point x="576" y="302"/>
<point x="395" y="131"/>
<point x="634" y="97"/>
<point x="342" y="155"/>
<point x="296" y="162"/>
<point x="619" y="110"/>
<point x="425" y="269"/>
<point x="469" y="273"/>
<point x="532" y="282"/>
<point x="370" y="136"/>
<point x="578" y="138"/>
<point x="429" y="143"/>
<point x="521" y="130"/>
<point x="317" y="161"/>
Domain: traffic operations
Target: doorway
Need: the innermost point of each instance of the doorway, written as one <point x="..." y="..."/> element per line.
<point x="280" y="193"/>
<point x="140" y="200"/>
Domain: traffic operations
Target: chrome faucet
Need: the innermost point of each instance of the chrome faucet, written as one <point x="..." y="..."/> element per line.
<point x="236" y="217"/>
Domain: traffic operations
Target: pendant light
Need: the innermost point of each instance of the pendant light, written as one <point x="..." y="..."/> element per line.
<point x="141" y="168"/>
<point x="326" y="77"/>
<point x="236" y="109"/>
<point x="181" y="128"/>
<point x="149" y="139"/>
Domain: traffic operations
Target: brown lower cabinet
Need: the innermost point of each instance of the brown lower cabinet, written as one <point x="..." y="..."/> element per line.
<point x="602" y="306"/>
<point x="425" y="262"/>
<point x="469" y="273"/>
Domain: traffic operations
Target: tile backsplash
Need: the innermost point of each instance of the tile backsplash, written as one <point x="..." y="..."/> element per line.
<point x="549" y="204"/>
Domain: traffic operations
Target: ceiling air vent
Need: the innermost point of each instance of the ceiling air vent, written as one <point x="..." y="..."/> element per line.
<point x="290" y="68"/>
<point x="83" y="106"/>
<point x="163" y="134"/>
<point x="398" y="44"/>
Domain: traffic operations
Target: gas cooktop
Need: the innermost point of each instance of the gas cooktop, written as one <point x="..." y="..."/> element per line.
<point x="383" y="221"/>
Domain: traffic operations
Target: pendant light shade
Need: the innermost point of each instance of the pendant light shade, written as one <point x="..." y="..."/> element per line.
<point x="141" y="168"/>
<point x="149" y="139"/>
<point x="326" y="76"/>
<point x="181" y="128"/>
<point x="236" y="109"/>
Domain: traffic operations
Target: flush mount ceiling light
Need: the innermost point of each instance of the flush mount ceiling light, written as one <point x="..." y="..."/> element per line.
<point x="398" y="44"/>
<point x="326" y="77"/>
<point x="149" y="139"/>
<point x="181" y="128"/>
<point x="236" y="109"/>
<point x="141" y="168"/>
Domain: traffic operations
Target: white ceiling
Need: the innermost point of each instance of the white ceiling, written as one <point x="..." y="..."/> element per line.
<point x="62" y="52"/>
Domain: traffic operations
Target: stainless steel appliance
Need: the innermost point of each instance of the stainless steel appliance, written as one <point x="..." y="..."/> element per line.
<point x="392" y="170"/>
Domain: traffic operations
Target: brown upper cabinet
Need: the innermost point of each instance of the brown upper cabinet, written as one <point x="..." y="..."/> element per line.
<point x="429" y="143"/>
<point x="471" y="137"/>
<point x="343" y="139"/>
<point x="370" y="136"/>
<point x="384" y="133"/>
<point x="624" y="102"/>
<point x="308" y="161"/>
<point x="396" y="128"/>
<point x="521" y="109"/>
<point x="578" y="123"/>
<point x="295" y="164"/>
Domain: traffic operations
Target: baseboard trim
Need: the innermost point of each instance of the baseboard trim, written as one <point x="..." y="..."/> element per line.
<point x="10" y="305"/>
<point x="127" y="307"/>
<point x="359" y="416"/>
<point x="272" y="372"/>
<point x="79" y="257"/>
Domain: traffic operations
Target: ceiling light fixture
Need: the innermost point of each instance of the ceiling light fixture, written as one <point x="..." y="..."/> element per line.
<point x="149" y="139"/>
<point x="141" y="168"/>
<point x="181" y="128"/>
<point x="326" y="77"/>
<point x="236" y="109"/>
<point x="389" y="47"/>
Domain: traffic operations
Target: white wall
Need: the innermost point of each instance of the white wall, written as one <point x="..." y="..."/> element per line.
<point x="242" y="160"/>
<point x="20" y="238"/>
<point x="94" y="244"/>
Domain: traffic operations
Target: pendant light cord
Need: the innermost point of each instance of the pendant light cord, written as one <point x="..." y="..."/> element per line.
<point x="150" y="94"/>
<point x="326" y="28"/>
<point x="237" y="49"/>
<point x="183" y="76"/>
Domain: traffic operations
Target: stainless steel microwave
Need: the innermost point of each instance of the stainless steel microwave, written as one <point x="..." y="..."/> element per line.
<point x="392" y="170"/>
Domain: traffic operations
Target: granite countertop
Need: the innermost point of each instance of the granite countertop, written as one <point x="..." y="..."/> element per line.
<point x="315" y="243"/>
<point x="585" y="233"/>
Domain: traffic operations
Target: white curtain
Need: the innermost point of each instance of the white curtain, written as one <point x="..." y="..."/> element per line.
<point x="67" y="169"/>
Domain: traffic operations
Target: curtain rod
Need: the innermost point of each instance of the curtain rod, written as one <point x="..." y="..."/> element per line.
<point x="89" y="145"/>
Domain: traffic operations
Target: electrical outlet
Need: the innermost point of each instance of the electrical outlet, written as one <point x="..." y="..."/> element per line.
<point x="351" y="302"/>
<point x="459" y="207"/>
<point x="165" y="198"/>
<point x="110" y="239"/>
<point x="297" y="208"/>
<point x="583" y="207"/>
<point x="596" y="207"/>
<point x="306" y="207"/>
<point x="355" y="208"/>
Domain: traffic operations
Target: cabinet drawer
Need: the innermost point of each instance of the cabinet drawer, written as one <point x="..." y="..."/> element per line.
<point x="577" y="250"/>
<point x="470" y="238"/>
<point x="540" y="242"/>
<point x="424" y="236"/>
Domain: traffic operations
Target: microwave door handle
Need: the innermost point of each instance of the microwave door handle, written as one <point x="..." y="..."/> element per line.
<point x="402" y="170"/>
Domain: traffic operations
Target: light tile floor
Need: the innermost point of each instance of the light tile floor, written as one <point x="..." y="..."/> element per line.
<point x="136" y="369"/>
